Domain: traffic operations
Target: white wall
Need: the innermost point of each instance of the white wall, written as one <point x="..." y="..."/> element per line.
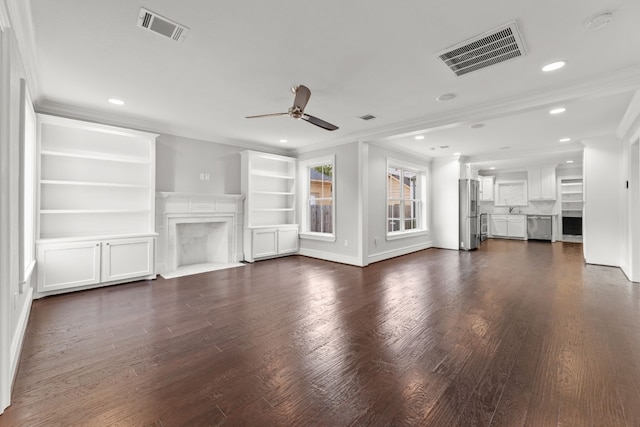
<point x="180" y="161"/>
<point x="348" y="247"/>
<point x="445" y="173"/>
<point x="602" y="196"/>
<point x="377" y="208"/>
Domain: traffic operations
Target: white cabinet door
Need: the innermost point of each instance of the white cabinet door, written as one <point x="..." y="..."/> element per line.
<point x="533" y="183"/>
<point x="517" y="226"/>
<point x="68" y="265"/>
<point x="287" y="240"/>
<point x="127" y="258"/>
<point x="486" y="188"/>
<point x="499" y="227"/>
<point x="265" y="242"/>
<point x="548" y="183"/>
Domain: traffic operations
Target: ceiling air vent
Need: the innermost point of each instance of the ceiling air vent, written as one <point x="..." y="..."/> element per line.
<point x="160" y="25"/>
<point x="367" y="117"/>
<point x="498" y="45"/>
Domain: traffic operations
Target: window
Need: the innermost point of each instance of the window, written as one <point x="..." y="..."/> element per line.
<point x="318" y="192"/>
<point x="406" y="195"/>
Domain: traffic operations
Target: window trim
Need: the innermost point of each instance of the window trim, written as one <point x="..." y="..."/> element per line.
<point x="421" y="171"/>
<point x="304" y="167"/>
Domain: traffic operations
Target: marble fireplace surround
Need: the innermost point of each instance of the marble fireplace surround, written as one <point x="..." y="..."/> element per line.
<point x="197" y="232"/>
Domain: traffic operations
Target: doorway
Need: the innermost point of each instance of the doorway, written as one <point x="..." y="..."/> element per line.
<point x="572" y="204"/>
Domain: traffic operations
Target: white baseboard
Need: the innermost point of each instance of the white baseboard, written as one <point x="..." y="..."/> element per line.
<point x="329" y="256"/>
<point x="21" y="329"/>
<point x="381" y="256"/>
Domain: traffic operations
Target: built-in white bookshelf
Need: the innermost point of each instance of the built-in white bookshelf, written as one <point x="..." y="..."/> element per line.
<point x="572" y="198"/>
<point x="270" y="220"/>
<point x="96" y="202"/>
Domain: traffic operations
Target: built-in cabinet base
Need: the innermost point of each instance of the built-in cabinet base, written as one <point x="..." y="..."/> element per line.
<point x="69" y="264"/>
<point x="268" y="242"/>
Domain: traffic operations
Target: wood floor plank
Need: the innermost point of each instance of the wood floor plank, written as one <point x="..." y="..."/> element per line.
<point x="516" y="333"/>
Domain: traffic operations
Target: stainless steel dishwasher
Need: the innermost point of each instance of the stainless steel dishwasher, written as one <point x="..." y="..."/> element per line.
<point x="539" y="227"/>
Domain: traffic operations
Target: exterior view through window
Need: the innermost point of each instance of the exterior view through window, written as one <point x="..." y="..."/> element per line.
<point x="403" y="200"/>
<point x="321" y="198"/>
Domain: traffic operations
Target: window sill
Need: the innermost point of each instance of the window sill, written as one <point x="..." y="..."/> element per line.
<point x="318" y="236"/>
<point x="406" y="234"/>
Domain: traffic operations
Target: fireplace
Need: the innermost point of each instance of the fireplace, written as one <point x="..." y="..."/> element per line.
<point x="197" y="233"/>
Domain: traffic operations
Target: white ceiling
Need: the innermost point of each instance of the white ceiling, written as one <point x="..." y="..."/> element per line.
<point x="358" y="57"/>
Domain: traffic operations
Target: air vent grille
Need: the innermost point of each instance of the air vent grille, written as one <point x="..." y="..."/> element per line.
<point x="367" y="117"/>
<point x="499" y="45"/>
<point x="160" y="25"/>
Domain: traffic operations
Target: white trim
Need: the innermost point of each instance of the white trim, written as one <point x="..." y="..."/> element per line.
<point x="630" y="115"/>
<point x="381" y="256"/>
<point x="5" y="219"/>
<point x="20" y="330"/>
<point x="397" y="235"/>
<point x="330" y="256"/>
<point x="20" y="16"/>
<point x="325" y="237"/>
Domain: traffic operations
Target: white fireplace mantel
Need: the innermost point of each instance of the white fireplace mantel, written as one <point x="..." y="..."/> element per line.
<point x="173" y="208"/>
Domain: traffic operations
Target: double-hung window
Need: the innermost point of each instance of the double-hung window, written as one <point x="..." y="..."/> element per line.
<point x="406" y="199"/>
<point x="318" y="198"/>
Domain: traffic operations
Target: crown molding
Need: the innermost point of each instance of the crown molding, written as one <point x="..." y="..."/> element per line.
<point x="45" y="106"/>
<point x="630" y="116"/>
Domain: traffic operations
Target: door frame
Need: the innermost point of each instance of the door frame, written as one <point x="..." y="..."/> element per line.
<point x="559" y="193"/>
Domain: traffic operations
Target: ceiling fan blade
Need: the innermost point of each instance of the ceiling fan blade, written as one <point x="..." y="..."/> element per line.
<point x="318" y="122"/>
<point x="267" y="115"/>
<point x="302" y="97"/>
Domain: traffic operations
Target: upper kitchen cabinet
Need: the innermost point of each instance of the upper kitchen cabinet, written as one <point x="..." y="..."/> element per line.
<point x="542" y="183"/>
<point x="486" y="188"/>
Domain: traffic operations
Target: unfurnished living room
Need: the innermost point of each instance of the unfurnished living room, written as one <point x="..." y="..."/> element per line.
<point x="338" y="213"/>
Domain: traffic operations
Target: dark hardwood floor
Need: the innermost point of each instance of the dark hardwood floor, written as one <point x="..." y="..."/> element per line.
<point x="516" y="333"/>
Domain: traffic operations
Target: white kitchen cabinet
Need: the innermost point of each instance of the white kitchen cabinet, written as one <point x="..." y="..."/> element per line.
<point x="269" y="187"/>
<point x="542" y="183"/>
<point x="517" y="226"/>
<point x="510" y="226"/>
<point x="486" y="188"/>
<point x="74" y="264"/>
<point x="127" y="258"/>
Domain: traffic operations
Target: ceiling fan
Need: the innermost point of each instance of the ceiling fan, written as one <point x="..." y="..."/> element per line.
<point x="296" y="111"/>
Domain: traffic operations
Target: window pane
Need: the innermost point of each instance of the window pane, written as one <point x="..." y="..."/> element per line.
<point x="410" y="182"/>
<point x="327" y="217"/>
<point x="394" y="225"/>
<point x="315" y="217"/>
<point x="393" y="183"/>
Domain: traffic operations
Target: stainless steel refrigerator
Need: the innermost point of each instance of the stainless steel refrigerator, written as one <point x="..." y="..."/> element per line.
<point x="469" y="215"/>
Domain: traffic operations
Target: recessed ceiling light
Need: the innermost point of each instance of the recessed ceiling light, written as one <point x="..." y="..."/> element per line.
<point x="492" y="168"/>
<point x="559" y="110"/>
<point x="115" y="101"/>
<point x="283" y="141"/>
<point x="569" y="161"/>
<point x="446" y="97"/>
<point x="553" y="66"/>
<point x="477" y="125"/>
<point x="419" y="137"/>
<point x="565" y="139"/>
<point x="456" y="154"/>
<point x="598" y="21"/>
